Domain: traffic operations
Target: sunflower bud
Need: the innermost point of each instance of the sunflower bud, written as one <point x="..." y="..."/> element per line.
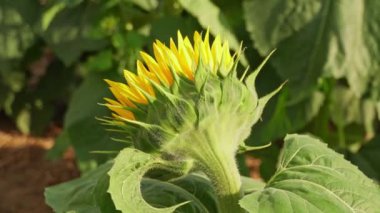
<point x="188" y="102"/>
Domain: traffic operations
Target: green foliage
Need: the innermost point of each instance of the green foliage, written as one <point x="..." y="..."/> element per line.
<point x="210" y="16"/>
<point x="339" y="43"/>
<point x="82" y="130"/>
<point x="321" y="48"/>
<point x="309" y="176"/>
<point x="314" y="178"/>
<point x="87" y="194"/>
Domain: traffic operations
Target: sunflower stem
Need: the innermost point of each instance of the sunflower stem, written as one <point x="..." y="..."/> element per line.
<point x="222" y="170"/>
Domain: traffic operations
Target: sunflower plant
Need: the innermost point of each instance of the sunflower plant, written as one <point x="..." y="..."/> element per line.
<point x="183" y="116"/>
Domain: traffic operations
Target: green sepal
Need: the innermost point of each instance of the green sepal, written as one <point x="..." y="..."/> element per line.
<point x="244" y="148"/>
<point x="238" y="55"/>
<point x="201" y="76"/>
<point x="263" y="101"/>
<point x="251" y="78"/>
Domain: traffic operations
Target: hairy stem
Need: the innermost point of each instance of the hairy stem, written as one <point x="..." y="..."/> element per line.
<point x="213" y="152"/>
<point x="222" y="170"/>
<point x="220" y="166"/>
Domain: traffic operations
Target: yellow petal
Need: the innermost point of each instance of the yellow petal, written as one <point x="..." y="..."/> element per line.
<point x="216" y="50"/>
<point x="122" y="112"/>
<point x="194" y="55"/>
<point x="227" y="59"/>
<point x="118" y="108"/>
<point x="135" y="81"/>
<point x="141" y="70"/>
<point x="159" y="54"/>
<point x="163" y="76"/>
<point x="184" y="58"/>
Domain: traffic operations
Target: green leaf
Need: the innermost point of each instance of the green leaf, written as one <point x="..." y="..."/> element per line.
<point x="250" y="185"/>
<point x="50" y="14"/>
<point x="344" y="107"/>
<point x="125" y="178"/>
<point x="199" y="186"/>
<point x="15" y="35"/>
<point x="317" y="37"/>
<point x="83" y="131"/>
<point x="312" y="177"/>
<point x="85" y="194"/>
<point x="167" y="26"/>
<point x="102" y="61"/>
<point x="148" y="5"/>
<point x="163" y="194"/>
<point x="72" y="30"/>
<point x="210" y="16"/>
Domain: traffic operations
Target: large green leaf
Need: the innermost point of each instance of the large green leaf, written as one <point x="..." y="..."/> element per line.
<point x="334" y="37"/>
<point x="167" y="26"/>
<point x="34" y="108"/>
<point x="84" y="132"/>
<point x="314" y="178"/>
<point x="148" y="5"/>
<point x="70" y="31"/>
<point x="250" y="185"/>
<point x="345" y="107"/>
<point x="199" y="186"/>
<point x="82" y="195"/>
<point x="127" y="174"/>
<point x="16" y="37"/>
<point x="163" y="194"/>
<point x="210" y="16"/>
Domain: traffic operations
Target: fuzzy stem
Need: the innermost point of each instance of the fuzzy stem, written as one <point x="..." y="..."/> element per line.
<point x="213" y="151"/>
<point x="224" y="175"/>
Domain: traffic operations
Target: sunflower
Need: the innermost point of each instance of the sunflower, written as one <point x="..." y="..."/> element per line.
<point x="187" y="104"/>
<point x="180" y="59"/>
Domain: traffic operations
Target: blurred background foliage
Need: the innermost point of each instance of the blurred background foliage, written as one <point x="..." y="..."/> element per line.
<point x="54" y="56"/>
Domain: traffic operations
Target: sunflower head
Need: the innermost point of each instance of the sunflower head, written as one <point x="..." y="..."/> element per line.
<point x="186" y="92"/>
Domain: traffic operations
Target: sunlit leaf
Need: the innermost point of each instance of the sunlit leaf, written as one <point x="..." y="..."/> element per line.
<point x="312" y="177"/>
<point x="337" y="38"/>
<point x="210" y="16"/>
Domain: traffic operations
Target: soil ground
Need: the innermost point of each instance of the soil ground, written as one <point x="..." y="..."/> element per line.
<point x="24" y="171"/>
